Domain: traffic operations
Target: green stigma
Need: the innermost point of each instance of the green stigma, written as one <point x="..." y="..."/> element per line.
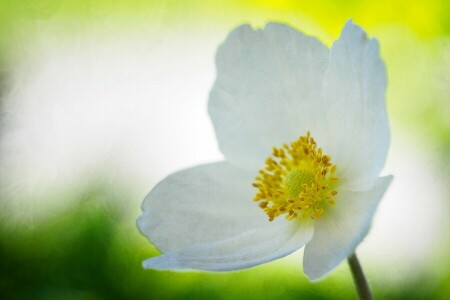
<point x="296" y="179"/>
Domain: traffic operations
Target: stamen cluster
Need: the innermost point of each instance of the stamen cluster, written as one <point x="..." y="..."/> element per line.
<point x="298" y="181"/>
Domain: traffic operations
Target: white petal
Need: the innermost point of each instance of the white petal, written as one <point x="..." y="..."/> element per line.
<point x="204" y="218"/>
<point x="338" y="233"/>
<point x="354" y="92"/>
<point x="201" y="204"/>
<point x="267" y="91"/>
<point x="244" y="250"/>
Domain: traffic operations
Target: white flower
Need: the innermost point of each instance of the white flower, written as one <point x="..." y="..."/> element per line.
<point x="274" y="85"/>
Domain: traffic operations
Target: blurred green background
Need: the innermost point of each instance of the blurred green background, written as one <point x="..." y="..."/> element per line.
<point x="72" y="234"/>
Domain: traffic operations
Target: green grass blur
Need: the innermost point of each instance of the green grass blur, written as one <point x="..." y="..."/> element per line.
<point x="93" y="250"/>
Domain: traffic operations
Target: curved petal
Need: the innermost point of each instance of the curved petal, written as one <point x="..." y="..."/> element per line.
<point x="266" y="92"/>
<point x="204" y="218"/>
<point x="354" y="93"/>
<point x="337" y="234"/>
<point x="201" y="204"/>
<point x="245" y="250"/>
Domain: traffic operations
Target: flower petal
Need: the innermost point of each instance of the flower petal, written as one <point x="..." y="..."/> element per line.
<point x="247" y="249"/>
<point x="201" y="204"/>
<point x="204" y="218"/>
<point x="337" y="234"/>
<point x="354" y="92"/>
<point x="266" y="92"/>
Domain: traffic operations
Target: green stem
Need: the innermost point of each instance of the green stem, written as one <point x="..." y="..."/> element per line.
<point x="358" y="277"/>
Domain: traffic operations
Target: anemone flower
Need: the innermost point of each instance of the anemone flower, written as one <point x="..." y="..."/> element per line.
<point x="305" y="134"/>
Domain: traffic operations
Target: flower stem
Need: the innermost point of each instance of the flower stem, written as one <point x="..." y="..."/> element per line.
<point x="358" y="277"/>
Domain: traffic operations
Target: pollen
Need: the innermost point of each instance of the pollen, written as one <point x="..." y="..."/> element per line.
<point x="298" y="181"/>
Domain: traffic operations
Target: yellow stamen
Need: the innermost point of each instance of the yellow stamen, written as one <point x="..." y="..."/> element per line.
<point x="297" y="181"/>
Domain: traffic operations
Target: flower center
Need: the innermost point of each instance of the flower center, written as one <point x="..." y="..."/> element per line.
<point x="298" y="181"/>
